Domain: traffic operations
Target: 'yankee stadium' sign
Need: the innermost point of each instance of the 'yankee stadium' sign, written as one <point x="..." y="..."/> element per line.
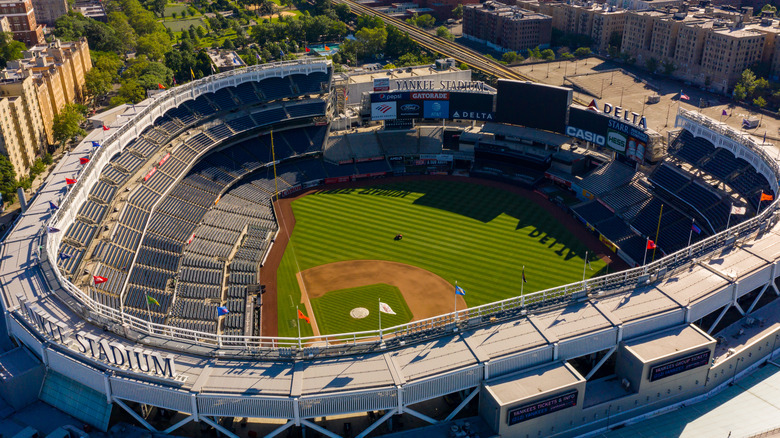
<point x="541" y="408"/>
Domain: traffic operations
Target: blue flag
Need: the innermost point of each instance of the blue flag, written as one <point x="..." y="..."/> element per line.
<point x="281" y="53"/>
<point x="222" y="311"/>
<point x="52" y="230"/>
<point x="695" y="228"/>
<point x="64" y="256"/>
<point x="95" y="144"/>
<point x="53" y="206"/>
<point x="459" y="291"/>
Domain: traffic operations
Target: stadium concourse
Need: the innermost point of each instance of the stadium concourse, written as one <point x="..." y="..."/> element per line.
<point x="131" y="278"/>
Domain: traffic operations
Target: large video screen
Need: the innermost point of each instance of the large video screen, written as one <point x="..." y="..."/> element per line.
<point x="533" y="105"/>
<point x="431" y="105"/>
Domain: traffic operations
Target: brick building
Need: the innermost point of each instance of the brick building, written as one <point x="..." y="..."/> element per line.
<point x="506" y="28"/>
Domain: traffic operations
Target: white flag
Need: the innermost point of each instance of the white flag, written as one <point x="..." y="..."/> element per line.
<point x="738" y="210"/>
<point x="384" y="308"/>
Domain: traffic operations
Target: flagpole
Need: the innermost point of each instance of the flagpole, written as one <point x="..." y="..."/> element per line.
<point x="380" y="319"/>
<point x="690" y="233"/>
<point x="647" y="243"/>
<point x="728" y="221"/>
<point x="149" y="311"/>
<point x="657" y="230"/>
<point x="298" y="323"/>
<point x="584" y="265"/>
<point x="760" y="199"/>
<point x="522" y="281"/>
<point x="456" y="299"/>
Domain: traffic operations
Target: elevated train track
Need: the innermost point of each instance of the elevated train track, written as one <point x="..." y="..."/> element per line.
<point x="444" y="46"/>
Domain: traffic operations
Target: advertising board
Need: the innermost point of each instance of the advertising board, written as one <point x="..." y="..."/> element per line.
<point x="677" y="366"/>
<point x="537" y="106"/>
<point x="383" y="110"/>
<point x="541" y="408"/>
<point x="433" y="105"/>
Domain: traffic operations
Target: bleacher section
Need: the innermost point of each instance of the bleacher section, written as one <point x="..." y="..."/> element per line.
<point x="112" y="257"/>
<point x="607" y="177"/>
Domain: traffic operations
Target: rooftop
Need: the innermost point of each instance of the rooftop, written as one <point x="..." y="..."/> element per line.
<point x="667" y="342"/>
<point x="522" y="385"/>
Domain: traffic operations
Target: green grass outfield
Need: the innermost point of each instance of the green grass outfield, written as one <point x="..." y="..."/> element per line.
<point x="480" y="236"/>
<point x="332" y="309"/>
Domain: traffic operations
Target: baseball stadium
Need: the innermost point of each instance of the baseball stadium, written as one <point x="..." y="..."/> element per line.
<point x="405" y="252"/>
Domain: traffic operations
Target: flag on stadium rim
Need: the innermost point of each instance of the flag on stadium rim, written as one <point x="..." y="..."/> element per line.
<point x="95" y="144"/>
<point x="259" y="59"/>
<point x="83" y="160"/>
<point x="695" y="228"/>
<point x="766" y="197"/>
<point x="459" y="291"/>
<point x="221" y="311"/>
<point x="308" y="50"/>
<point x="303" y="317"/>
<point x="724" y="113"/>
<point x="70" y="181"/>
<point x="650" y="244"/>
<point x="98" y="279"/>
<point x="160" y="86"/>
<point x="385" y="308"/>
<point x="53" y="206"/>
<point x="106" y="128"/>
<point x="52" y="230"/>
<point x="684" y="96"/>
<point x="151" y="300"/>
<point x="192" y="73"/>
<point x="524" y="280"/>
<point x="64" y="256"/>
<point x="738" y="210"/>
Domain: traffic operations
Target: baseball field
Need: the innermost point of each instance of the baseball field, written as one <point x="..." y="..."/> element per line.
<point x="344" y="253"/>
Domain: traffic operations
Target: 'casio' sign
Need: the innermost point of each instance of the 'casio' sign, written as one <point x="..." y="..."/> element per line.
<point x="585" y="135"/>
<point x="616" y="141"/>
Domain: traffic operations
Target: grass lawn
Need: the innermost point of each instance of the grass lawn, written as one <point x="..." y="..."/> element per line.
<point x="175" y="7"/>
<point x="477" y="235"/>
<point x="332" y="309"/>
<point x="179" y="25"/>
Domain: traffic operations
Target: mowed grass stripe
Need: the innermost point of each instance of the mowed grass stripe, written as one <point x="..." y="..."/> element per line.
<point x="477" y="235"/>
<point x="332" y="310"/>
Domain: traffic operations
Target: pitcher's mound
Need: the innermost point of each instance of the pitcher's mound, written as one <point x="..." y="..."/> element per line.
<point x="358" y="312"/>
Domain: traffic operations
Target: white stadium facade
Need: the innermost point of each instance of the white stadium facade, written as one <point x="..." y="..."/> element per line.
<point x="514" y="357"/>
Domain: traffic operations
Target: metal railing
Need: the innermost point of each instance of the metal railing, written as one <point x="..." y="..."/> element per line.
<point x="442" y="324"/>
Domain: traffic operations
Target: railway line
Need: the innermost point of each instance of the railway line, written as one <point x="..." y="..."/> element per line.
<point x="444" y="46"/>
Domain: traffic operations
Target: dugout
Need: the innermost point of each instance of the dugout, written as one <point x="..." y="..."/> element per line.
<point x="533" y="402"/>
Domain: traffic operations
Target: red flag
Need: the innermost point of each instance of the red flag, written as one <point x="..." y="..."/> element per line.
<point x="98" y="279"/>
<point x="303" y="317"/>
<point x="766" y="197"/>
<point x="69" y="181"/>
<point x="83" y="160"/>
<point x="327" y="48"/>
<point x="308" y="50"/>
<point x="105" y="128"/>
<point x="650" y="244"/>
<point x="160" y="86"/>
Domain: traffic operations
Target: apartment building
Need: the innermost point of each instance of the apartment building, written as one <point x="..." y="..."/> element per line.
<point x="506" y="28"/>
<point x="38" y="87"/>
<point x="24" y="25"/>
<point x="598" y="21"/>
<point x="709" y="48"/>
<point x="48" y="11"/>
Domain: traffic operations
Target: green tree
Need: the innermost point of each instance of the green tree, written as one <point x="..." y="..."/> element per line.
<point x="399" y="43"/>
<point x="759" y="102"/>
<point x="130" y="92"/>
<point x="669" y="67"/>
<point x="457" y="12"/>
<point x="343" y="12"/>
<point x="154" y="45"/>
<point x="582" y="52"/>
<point x="157" y="6"/>
<point x="426" y="21"/>
<point x="368" y="21"/>
<point x="67" y="124"/>
<point x="118" y="21"/>
<point x="651" y="64"/>
<point x="7" y="179"/>
<point x="548" y="55"/>
<point x="443" y="32"/>
<point x="566" y="55"/>
<point x="509" y="57"/>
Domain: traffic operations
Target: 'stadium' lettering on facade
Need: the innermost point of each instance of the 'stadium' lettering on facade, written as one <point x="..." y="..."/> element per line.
<point x="114" y="353"/>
